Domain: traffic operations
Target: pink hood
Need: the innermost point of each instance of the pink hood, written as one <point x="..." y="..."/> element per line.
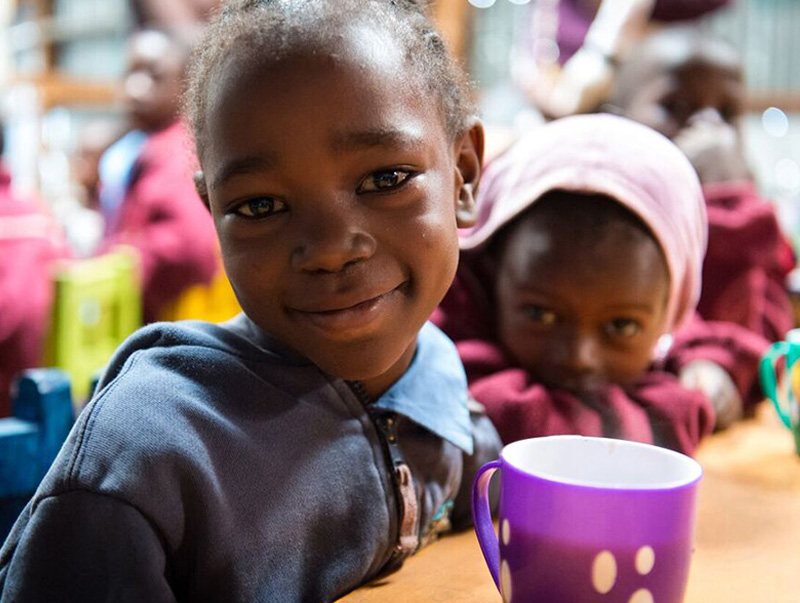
<point x="616" y="157"/>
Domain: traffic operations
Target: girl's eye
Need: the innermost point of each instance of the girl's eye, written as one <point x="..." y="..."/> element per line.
<point x="259" y="207"/>
<point x="623" y="327"/>
<point x="541" y="315"/>
<point x="384" y="180"/>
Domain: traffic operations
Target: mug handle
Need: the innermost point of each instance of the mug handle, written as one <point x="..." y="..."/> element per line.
<point x="482" y="518"/>
<point x="769" y="378"/>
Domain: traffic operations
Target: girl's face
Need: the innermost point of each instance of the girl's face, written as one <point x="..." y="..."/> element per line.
<point x="152" y="83"/>
<point x="580" y="309"/>
<point x="674" y="97"/>
<point x="334" y="190"/>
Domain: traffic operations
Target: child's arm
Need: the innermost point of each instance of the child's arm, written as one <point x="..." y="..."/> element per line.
<point x="680" y="417"/>
<point x="730" y="346"/>
<point x="521" y="407"/>
<point x="659" y="409"/>
<point x="714" y="148"/>
<point x="715" y="382"/>
<point x="82" y="546"/>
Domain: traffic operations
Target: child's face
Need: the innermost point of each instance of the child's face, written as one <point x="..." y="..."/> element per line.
<point x="580" y="311"/>
<point x="702" y="87"/>
<point x="334" y="190"/>
<point x="152" y="82"/>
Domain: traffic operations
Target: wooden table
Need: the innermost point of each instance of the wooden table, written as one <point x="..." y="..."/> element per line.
<point x="747" y="537"/>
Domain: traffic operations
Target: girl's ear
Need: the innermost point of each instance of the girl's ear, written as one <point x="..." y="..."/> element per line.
<point x="469" y="156"/>
<point x="201" y="188"/>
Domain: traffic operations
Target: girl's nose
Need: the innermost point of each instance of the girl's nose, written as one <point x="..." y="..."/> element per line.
<point x="331" y="240"/>
<point x="584" y="353"/>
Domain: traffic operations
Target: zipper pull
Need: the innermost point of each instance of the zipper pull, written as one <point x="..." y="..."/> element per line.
<point x="408" y="534"/>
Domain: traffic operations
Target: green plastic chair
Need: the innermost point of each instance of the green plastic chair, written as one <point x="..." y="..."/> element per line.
<point x="96" y="305"/>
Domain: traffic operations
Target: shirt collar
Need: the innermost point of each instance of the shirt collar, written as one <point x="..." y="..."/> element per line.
<point x="433" y="391"/>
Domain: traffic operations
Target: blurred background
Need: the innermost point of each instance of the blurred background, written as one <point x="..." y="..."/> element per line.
<point x="765" y="32"/>
<point x="60" y="61"/>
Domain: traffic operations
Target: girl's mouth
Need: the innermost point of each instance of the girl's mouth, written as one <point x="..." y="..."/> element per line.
<point x="351" y="318"/>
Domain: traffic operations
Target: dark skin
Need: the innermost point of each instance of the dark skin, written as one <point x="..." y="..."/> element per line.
<point x="152" y="83"/>
<point x="337" y="195"/>
<point x="691" y="90"/>
<point x="580" y="305"/>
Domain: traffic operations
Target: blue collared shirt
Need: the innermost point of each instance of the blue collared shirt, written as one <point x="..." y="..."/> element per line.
<point x="433" y="391"/>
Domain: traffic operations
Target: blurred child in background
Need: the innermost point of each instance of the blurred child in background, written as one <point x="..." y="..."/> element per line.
<point x="30" y="242"/>
<point x="146" y="191"/>
<point x="93" y="140"/>
<point x="688" y="85"/>
<point x="585" y="261"/>
<point x="173" y="14"/>
<point x="567" y="58"/>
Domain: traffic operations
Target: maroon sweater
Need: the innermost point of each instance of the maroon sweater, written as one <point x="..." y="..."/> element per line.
<point x="163" y="217"/>
<point x="29" y="243"/>
<point x="747" y="261"/>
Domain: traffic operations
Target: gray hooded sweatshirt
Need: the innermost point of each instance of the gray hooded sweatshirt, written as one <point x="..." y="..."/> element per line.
<point x="214" y="464"/>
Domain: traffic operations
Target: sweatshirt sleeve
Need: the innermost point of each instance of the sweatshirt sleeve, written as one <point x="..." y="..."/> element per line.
<point x="81" y="546"/>
<point x="733" y="347"/>
<point x="521" y="408"/>
<point x="657" y="409"/>
<point x="680" y="417"/>
<point x="486" y="447"/>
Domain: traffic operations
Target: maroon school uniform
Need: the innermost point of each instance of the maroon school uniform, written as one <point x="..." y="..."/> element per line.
<point x="747" y="261"/>
<point x="731" y="346"/>
<point x="29" y="243"/>
<point x="163" y="217"/>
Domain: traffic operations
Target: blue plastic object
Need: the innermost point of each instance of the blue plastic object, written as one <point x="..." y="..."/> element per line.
<point x="31" y="438"/>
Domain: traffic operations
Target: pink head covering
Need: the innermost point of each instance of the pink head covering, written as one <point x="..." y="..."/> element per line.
<point x="612" y="156"/>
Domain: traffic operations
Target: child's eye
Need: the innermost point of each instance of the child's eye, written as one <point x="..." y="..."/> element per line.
<point x="259" y="207"/>
<point x="384" y="180"/>
<point x="540" y="315"/>
<point x="623" y="327"/>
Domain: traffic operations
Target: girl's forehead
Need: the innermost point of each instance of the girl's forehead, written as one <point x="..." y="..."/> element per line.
<point x="372" y="53"/>
<point x="552" y="233"/>
<point x="549" y="255"/>
<point x="352" y="99"/>
<point x="361" y="79"/>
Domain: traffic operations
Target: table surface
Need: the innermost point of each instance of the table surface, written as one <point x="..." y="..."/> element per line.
<point x="747" y="540"/>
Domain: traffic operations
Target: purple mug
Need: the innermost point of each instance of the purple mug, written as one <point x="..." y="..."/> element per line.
<point x="588" y="519"/>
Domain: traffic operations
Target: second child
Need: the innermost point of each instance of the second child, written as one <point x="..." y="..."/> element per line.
<point x="573" y="308"/>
